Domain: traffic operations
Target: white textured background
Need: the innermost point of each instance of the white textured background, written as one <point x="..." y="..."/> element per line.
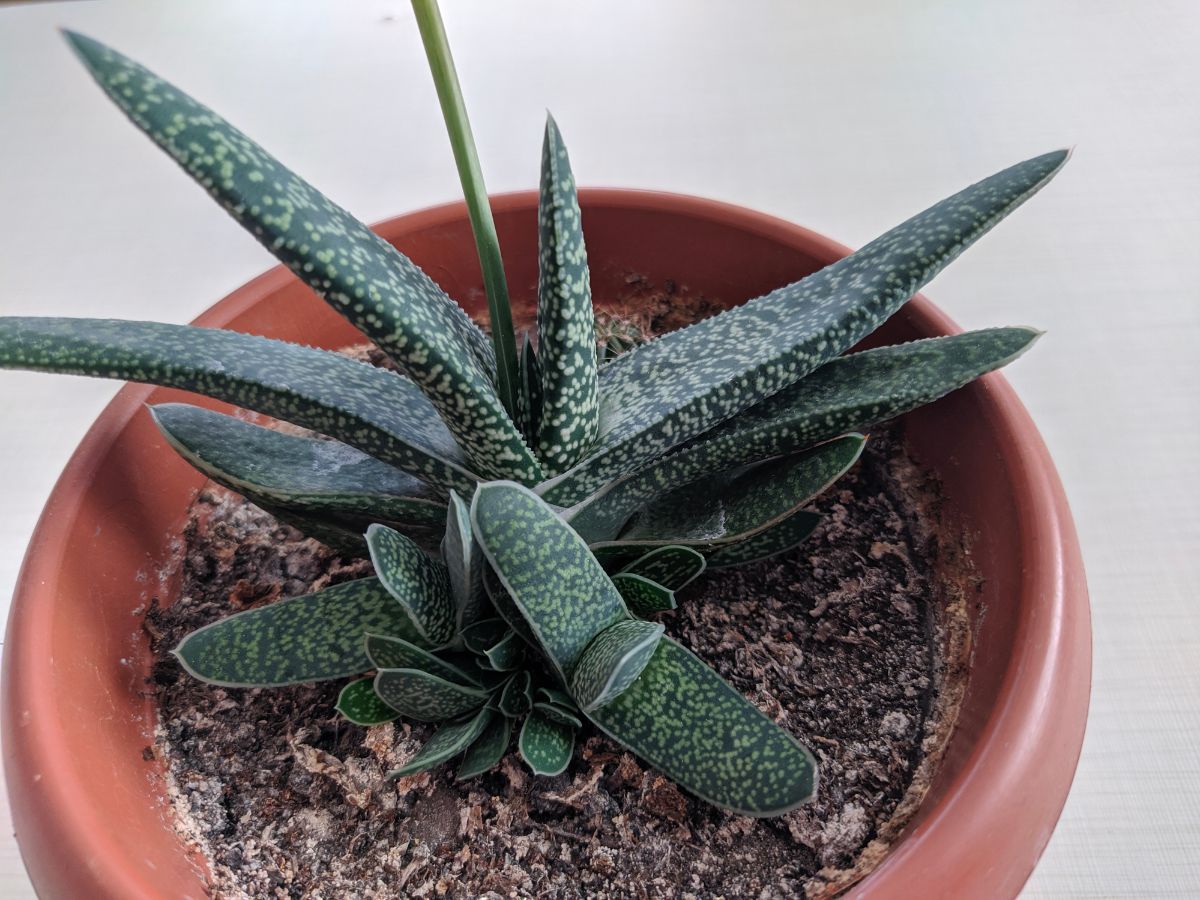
<point x="844" y="117"/>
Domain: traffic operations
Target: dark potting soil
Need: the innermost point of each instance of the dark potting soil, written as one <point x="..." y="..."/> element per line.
<point x="837" y="641"/>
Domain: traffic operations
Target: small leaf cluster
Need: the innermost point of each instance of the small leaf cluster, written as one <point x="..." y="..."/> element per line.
<point x="605" y="467"/>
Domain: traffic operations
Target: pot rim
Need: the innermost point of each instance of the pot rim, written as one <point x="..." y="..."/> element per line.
<point x="1053" y="636"/>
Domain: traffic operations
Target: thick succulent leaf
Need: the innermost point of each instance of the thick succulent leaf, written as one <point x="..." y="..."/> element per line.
<point x="559" y="714"/>
<point x="680" y="385"/>
<point x="570" y="401"/>
<point x="396" y="653"/>
<point x="778" y="538"/>
<point x="480" y="636"/>
<point x="465" y="564"/>
<point x="682" y="718"/>
<point x="850" y="393"/>
<point x="613" y="661"/>
<point x="643" y="596"/>
<point x="376" y="411"/>
<point x="420" y="584"/>
<point x="316" y="477"/>
<point x="671" y="567"/>
<point x="552" y="577"/>
<point x="530" y="398"/>
<point x="310" y="638"/>
<point x="516" y="698"/>
<point x="557" y="697"/>
<point x="507" y="653"/>
<point x="426" y="697"/>
<point x="447" y="742"/>
<point x="377" y="288"/>
<point x="487" y="751"/>
<point x="359" y="703"/>
<point x="502" y="602"/>
<point x="708" y="515"/>
<point x="546" y="745"/>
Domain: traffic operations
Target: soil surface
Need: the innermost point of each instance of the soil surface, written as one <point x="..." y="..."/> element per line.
<point x="833" y="641"/>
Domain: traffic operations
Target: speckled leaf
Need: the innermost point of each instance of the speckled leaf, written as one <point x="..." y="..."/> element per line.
<point x="546" y="745"/>
<point x="507" y="653"/>
<point x="379" y="412"/>
<point x="503" y="603"/>
<point x="556" y="583"/>
<point x="779" y="538"/>
<point x="675" y="387"/>
<point x="465" y="564"/>
<point x="643" y="596"/>
<point x="850" y="393"/>
<point x="682" y="718"/>
<point x="359" y="703"/>
<point x="566" y="323"/>
<point x="364" y="278"/>
<point x="481" y="635"/>
<point x="613" y="661"/>
<point x="672" y="566"/>
<point x="516" y="699"/>
<point x="387" y="652"/>
<point x="559" y="714"/>
<point x="731" y="508"/>
<point x="446" y="743"/>
<point x="487" y="751"/>
<point x="325" y="478"/>
<point x="311" y="638"/>
<point x="530" y="397"/>
<point x="426" y="697"/>
<point x="420" y="584"/>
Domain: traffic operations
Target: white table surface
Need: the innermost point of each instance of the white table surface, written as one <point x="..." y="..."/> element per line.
<point x="843" y="117"/>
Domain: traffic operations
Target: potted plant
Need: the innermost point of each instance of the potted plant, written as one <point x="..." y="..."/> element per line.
<point x="528" y="517"/>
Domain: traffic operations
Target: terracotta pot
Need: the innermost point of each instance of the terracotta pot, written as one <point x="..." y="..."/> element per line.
<point x="90" y="811"/>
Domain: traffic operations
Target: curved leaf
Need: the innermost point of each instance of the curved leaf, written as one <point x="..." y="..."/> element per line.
<point x="670" y="567"/>
<point x="613" y="661"/>
<point x="378" y="412"/>
<point x="447" y="742"/>
<point x="395" y="653"/>
<point x="552" y="577"/>
<point x="482" y="635"/>
<point x="503" y="603"/>
<point x="570" y="400"/>
<point x="421" y="585"/>
<point x="310" y="638"/>
<point x="465" y="563"/>
<point x="559" y="714"/>
<point x="643" y="596"/>
<point x="359" y="703"/>
<point x="316" y="477"/>
<point x="682" y="718"/>
<point x="487" y="751"/>
<point x="363" y="277"/>
<point x="507" y="653"/>
<point x="678" y="386"/>
<point x="426" y="697"/>
<point x="771" y="541"/>
<point x="516" y="699"/>
<point x="546" y="745"/>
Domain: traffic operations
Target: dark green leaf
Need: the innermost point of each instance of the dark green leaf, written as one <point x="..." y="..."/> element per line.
<point x="395" y="653"/>
<point x="359" y="703"/>
<point x="778" y="538"/>
<point x="425" y="697"/>
<point x="516" y="698"/>
<point x="680" y="385"/>
<point x="507" y="653"/>
<point x="682" y="718"/>
<point x="448" y="741"/>
<point x="672" y="567"/>
<point x="559" y="714"/>
<point x="487" y="751"/>
<point x="566" y="324"/>
<point x="311" y="638"/>
<point x="613" y="661"/>
<point x="315" y="477"/>
<point x="643" y="596"/>
<point x="546" y="745"/>
<point x="503" y="603"/>
<point x="377" y="288"/>
<point x="558" y="698"/>
<point x="374" y="410"/>
<point x="483" y="635"/>
<point x="556" y="583"/>
<point x="420" y="584"/>
<point x="465" y="563"/>
<point x="531" y="391"/>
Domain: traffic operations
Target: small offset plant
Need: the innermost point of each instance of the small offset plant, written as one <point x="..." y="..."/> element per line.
<point x="528" y="513"/>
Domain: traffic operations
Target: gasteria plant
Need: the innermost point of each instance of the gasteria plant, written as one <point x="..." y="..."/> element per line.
<point x="604" y="472"/>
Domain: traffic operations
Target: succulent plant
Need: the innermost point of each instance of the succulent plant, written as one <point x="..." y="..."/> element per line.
<point x="604" y="468"/>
